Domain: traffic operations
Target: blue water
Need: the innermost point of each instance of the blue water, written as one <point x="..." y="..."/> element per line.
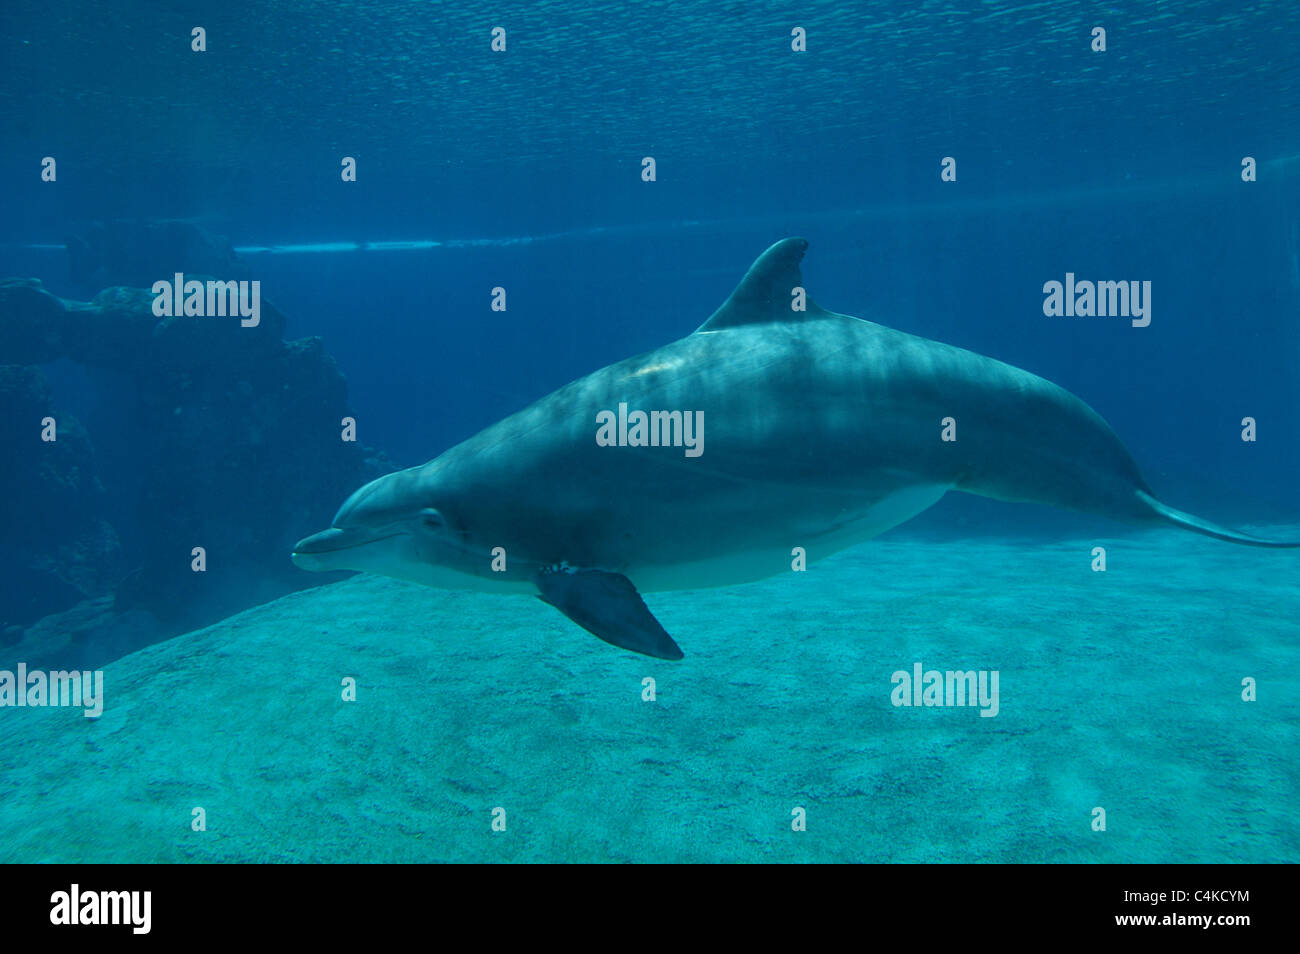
<point x="522" y="169"/>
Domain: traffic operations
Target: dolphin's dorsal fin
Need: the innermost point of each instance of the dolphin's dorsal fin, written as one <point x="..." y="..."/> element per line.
<point x="765" y="294"/>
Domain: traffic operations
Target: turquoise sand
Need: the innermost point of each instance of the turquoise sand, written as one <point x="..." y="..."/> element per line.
<point x="1119" y="690"/>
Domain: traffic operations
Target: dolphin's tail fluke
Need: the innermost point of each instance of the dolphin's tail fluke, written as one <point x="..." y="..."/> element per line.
<point x="1191" y="522"/>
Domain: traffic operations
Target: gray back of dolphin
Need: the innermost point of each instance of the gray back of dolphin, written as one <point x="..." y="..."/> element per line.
<point x="820" y="430"/>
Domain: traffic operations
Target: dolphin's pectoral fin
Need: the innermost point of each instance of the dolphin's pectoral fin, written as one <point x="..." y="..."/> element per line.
<point x="607" y="605"/>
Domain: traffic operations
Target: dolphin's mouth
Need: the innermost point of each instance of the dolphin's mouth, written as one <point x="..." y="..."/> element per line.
<point x="335" y="539"/>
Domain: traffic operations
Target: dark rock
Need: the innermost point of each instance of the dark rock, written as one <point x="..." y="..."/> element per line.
<point x="215" y="435"/>
<point x="85" y="636"/>
<point x="138" y="253"/>
<point x="31" y="323"/>
<point x="112" y="331"/>
<point x="56" y="547"/>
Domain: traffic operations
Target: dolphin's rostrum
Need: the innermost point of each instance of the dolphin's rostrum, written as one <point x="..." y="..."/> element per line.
<point x="824" y="430"/>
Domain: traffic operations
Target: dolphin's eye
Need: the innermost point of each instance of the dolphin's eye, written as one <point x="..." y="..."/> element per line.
<point x="430" y="519"/>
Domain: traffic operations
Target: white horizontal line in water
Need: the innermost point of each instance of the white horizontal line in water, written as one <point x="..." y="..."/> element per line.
<point x="1083" y="194"/>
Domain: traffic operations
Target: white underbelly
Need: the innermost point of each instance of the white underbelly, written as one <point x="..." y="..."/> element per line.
<point x="757" y="563"/>
<point x="718" y="564"/>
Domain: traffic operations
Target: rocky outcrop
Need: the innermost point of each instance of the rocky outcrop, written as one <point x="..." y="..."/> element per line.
<point x="137" y="252"/>
<point x="208" y="434"/>
<point x="56" y="547"/>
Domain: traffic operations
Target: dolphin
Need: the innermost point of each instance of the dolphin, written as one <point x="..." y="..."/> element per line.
<point x="776" y="425"/>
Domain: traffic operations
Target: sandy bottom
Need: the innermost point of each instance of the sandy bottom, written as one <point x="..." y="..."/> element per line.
<point x="1119" y="690"/>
